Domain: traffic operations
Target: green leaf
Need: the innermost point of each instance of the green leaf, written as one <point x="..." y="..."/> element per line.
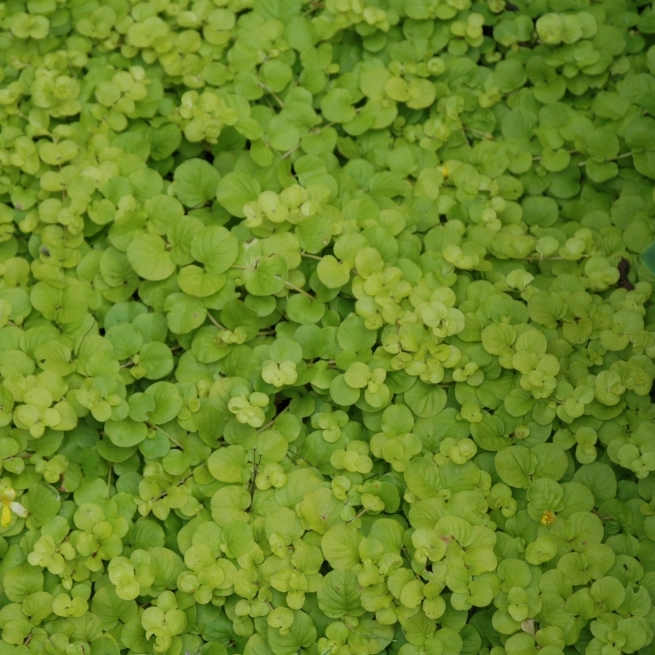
<point x="104" y="645"/>
<point x="110" y="609"/>
<point x="156" y="359"/>
<point x="425" y="400"/>
<point x="195" y="182"/>
<point x="184" y="313"/>
<point x="125" y="433"/>
<point x="163" y="140"/>
<point x="148" y="257"/>
<point x="235" y="190"/>
<point x="268" y="277"/>
<point x="599" y="479"/>
<point x="516" y="465"/>
<point x="229" y="464"/>
<point x="167" y="402"/>
<point x="340" y="546"/>
<point x="21" y="581"/>
<point x="279" y="9"/>
<point x="332" y="273"/>
<point x="338" y="595"/>
<point x="336" y="106"/>
<point x="302" y="634"/>
<point x="216" y="248"/>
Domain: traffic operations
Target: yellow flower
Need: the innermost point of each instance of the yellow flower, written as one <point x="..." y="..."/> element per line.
<point x="547" y="518"/>
<point x="444" y="171"/>
<point x="9" y="505"/>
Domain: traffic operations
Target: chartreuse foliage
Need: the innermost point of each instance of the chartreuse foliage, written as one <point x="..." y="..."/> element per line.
<point x="326" y="327"/>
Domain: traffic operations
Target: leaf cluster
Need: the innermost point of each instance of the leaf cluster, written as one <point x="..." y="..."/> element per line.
<point x="327" y="327"/>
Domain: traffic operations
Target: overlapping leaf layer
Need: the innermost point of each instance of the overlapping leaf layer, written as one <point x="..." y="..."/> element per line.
<point x="326" y="327"/>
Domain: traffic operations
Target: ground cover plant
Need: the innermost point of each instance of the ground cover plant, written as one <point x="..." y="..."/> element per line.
<point x="326" y="327"/>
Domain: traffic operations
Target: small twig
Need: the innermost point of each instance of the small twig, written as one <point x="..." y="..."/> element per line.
<point x="84" y="337"/>
<point x="315" y="6"/>
<point x="293" y="452"/>
<point x="214" y="321"/>
<point x="47" y="484"/>
<point x="363" y="634"/>
<point x="624" y="269"/>
<point x="551" y="259"/>
<point x="272" y="421"/>
<point x="354" y="518"/>
<point x="487" y="136"/>
<point x="543" y="259"/>
<point x="109" y="483"/>
<point x="410" y="560"/>
<point x="571" y="152"/>
<point x="623" y="156"/>
<point x="299" y="290"/>
<point x="179" y="484"/>
<point x="288" y="153"/>
<point x="254" y="475"/>
<point x="170" y="436"/>
<point x="304" y="254"/>
<point x="273" y="94"/>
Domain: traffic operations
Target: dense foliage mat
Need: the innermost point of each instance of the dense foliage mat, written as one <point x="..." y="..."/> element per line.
<point x="326" y="327"/>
